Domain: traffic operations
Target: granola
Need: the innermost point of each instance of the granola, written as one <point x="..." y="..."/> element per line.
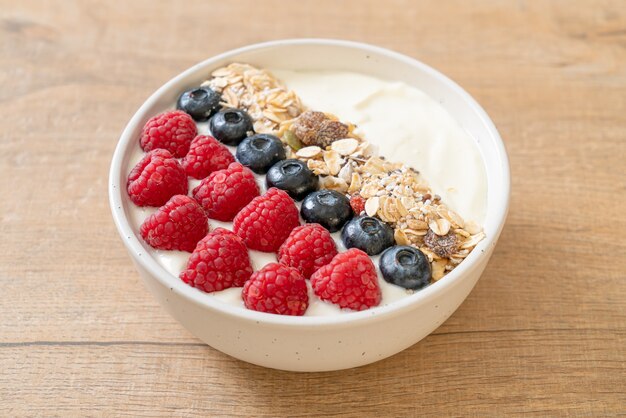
<point x="346" y="162"/>
<point x="258" y="92"/>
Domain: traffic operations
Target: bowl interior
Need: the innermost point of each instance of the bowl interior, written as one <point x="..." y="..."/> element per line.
<point x="315" y="54"/>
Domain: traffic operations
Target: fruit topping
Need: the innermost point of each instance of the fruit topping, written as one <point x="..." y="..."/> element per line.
<point x="260" y="152"/>
<point x="156" y="178"/>
<point x="200" y="103"/>
<point x="266" y="222"/>
<point x="357" y="203"/>
<point x="292" y="140"/>
<point x="405" y="266"/>
<point x="177" y="225"/>
<point x="349" y="280"/>
<point x="294" y="177"/>
<point x="220" y="261"/>
<point x="444" y="246"/>
<point x="231" y="126"/>
<point x="172" y="131"/>
<point x="368" y="234"/>
<point x="316" y="128"/>
<point x="276" y="289"/>
<point x="307" y="248"/>
<point x="328" y="208"/>
<point x="205" y="156"/>
<point x="225" y="192"/>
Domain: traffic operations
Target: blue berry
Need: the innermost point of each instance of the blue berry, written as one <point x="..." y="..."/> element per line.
<point x="292" y="176"/>
<point x="405" y="266"/>
<point x="230" y="126"/>
<point x="200" y="103"/>
<point x="260" y="152"/>
<point x="328" y="208"/>
<point x="368" y="234"/>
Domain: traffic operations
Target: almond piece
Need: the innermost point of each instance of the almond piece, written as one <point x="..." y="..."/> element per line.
<point x="473" y="240"/>
<point x="472" y="227"/>
<point x="345" y="146"/>
<point x="440" y="226"/>
<point x="372" y="205"/>
<point x="400" y="237"/>
<point x="346" y="173"/>
<point x="333" y="160"/>
<point x="309" y="152"/>
<point x="333" y="183"/>
<point x="355" y="183"/>
<point x="438" y="269"/>
<point x="318" y="167"/>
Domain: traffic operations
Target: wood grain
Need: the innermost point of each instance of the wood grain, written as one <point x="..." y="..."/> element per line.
<point x="543" y="333"/>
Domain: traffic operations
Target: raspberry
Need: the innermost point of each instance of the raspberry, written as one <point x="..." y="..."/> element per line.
<point x="357" y="203"/>
<point x="307" y="248"/>
<point x="177" y="225"/>
<point x="265" y="223"/>
<point x="350" y="281"/>
<point x="220" y="261"/>
<point x="156" y="178"/>
<point x="206" y="155"/>
<point x="276" y="289"/>
<point x="172" y="131"/>
<point x="225" y="192"/>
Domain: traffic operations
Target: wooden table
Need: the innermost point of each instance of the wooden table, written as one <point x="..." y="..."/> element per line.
<point x="544" y="331"/>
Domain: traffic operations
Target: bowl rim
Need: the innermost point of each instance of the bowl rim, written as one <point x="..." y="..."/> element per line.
<point x="492" y="227"/>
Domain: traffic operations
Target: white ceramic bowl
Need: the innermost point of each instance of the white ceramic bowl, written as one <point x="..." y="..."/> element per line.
<point x="328" y="342"/>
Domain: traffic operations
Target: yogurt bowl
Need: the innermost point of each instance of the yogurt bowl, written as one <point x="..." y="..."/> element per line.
<point x="329" y="342"/>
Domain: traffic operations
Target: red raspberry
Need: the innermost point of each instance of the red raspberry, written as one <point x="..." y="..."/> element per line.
<point x="225" y="192"/>
<point x="206" y="155"/>
<point x="265" y="223"/>
<point x="307" y="248"/>
<point x="357" y="203"/>
<point x="220" y="261"/>
<point x="276" y="289"/>
<point x="350" y="281"/>
<point x="178" y="225"/>
<point x="172" y="131"/>
<point x="156" y="178"/>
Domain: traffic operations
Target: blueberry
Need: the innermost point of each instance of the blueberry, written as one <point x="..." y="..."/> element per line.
<point x="367" y="234"/>
<point x="405" y="266"/>
<point x="292" y="176"/>
<point x="230" y="126"/>
<point x="200" y="103"/>
<point x="260" y="152"/>
<point x="328" y="208"/>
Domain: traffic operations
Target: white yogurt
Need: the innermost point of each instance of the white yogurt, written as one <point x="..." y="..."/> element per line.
<point x="407" y="126"/>
<point x="404" y="123"/>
